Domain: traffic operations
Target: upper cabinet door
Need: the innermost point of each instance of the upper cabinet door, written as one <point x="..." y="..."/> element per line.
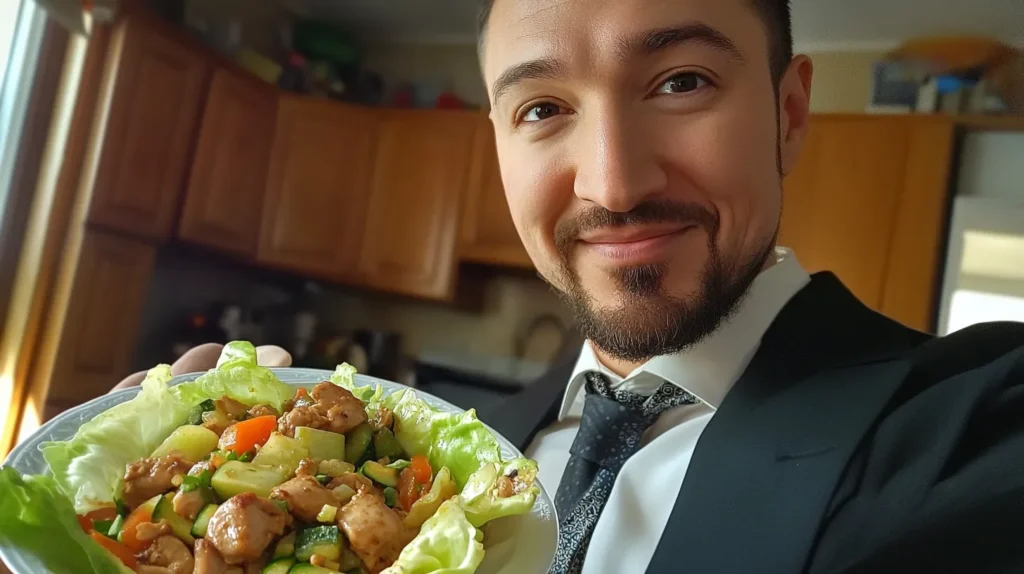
<point x="224" y="202"/>
<point x="154" y="107"/>
<point x="412" y="224"/>
<point x="488" y="233"/>
<point x="317" y="187"/>
<point x="865" y="201"/>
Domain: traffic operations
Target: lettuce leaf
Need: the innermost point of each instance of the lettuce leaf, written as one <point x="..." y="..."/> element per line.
<point x="36" y="517"/>
<point x="479" y="496"/>
<point x="237" y="376"/>
<point x="447" y="544"/>
<point x="90" y="466"/>
<point x="345" y="376"/>
<point x="458" y="441"/>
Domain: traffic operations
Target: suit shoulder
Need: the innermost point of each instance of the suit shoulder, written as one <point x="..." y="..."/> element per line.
<point x="969" y="349"/>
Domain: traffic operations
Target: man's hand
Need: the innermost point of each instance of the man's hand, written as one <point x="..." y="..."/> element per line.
<point x="204" y="358"/>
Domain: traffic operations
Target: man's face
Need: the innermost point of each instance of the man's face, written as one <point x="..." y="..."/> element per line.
<point x="640" y="151"/>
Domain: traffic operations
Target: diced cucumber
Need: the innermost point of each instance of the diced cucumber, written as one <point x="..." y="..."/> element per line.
<point x="379" y="473"/>
<point x="335" y="467"/>
<point x="102" y="525"/>
<point x="195" y="416"/>
<point x="285" y="546"/>
<point x="307" y="568"/>
<point x="323" y="540"/>
<point x="343" y="493"/>
<point x="386" y="445"/>
<point x="279" y="565"/>
<point x="180" y="526"/>
<point x="191" y="443"/>
<point x="400" y="464"/>
<point x="357" y="441"/>
<point x="322" y="445"/>
<point x="235" y="477"/>
<point x="282" y="452"/>
<point x="203" y="520"/>
<point x="116" y="527"/>
<point x="390" y="496"/>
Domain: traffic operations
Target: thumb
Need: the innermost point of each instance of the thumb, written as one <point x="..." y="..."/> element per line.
<point x="272" y="356"/>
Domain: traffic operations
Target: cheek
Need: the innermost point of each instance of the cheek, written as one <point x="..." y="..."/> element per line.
<point x="726" y="159"/>
<point x="538" y="187"/>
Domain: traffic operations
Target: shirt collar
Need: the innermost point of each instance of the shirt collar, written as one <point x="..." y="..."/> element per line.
<point x="710" y="368"/>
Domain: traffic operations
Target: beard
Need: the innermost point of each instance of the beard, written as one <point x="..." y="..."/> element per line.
<point x="648" y="321"/>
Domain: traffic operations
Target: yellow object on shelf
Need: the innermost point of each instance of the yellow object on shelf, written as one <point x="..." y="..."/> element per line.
<point x="261" y="66"/>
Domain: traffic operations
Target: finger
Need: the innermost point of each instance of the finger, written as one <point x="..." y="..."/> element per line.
<point x="133" y="380"/>
<point x="197" y="359"/>
<point x="272" y="356"/>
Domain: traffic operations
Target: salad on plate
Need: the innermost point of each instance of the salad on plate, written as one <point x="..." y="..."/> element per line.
<point x="237" y="472"/>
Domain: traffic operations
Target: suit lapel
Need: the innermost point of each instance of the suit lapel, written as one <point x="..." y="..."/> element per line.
<point x="765" y="468"/>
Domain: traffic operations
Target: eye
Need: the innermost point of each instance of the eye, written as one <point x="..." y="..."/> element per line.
<point x="541" y="112"/>
<point x="683" y="83"/>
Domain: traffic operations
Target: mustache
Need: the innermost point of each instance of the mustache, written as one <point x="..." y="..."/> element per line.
<point x="649" y="212"/>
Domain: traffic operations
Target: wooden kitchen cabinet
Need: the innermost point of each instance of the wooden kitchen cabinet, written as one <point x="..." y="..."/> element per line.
<point x="224" y="200"/>
<point x="412" y="221"/>
<point x="488" y="234"/>
<point x="867" y="200"/>
<point x="155" y="94"/>
<point x="317" y="187"/>
<point x="102" y="318"/>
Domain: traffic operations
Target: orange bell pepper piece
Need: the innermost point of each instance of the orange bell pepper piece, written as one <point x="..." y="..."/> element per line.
<point x="116" y="548"/>
<point x="244" y="436"/>
<point x="421" y="467"/>
<point x="129" y="536"/>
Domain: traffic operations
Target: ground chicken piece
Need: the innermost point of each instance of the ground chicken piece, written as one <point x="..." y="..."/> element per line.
<point x="232" y="408"/>
<point x="262" y="411"/>
<point x="307" y="467"/>
<point x="209" y="561"/>
<point x="188" y="504"/>
<point x="147" y="531"/>
<point x="375" y="532"/>
<point x="355" y="481"/>
<point x="151" y="476"/>
<point x="300" y="417"/>
<point x="202" y="466"/>
<point x="344" y="411"/>
<point x="171" y="553"/>
<point x="244" y="526"/>
<point x="147" y="569"/>
<point x="305" y="497"/>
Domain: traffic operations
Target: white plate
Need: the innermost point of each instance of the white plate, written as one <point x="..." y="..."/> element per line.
<point x="520" y="545"/>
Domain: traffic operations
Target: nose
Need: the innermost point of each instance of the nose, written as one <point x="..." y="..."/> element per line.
<point x="616" y="166"/>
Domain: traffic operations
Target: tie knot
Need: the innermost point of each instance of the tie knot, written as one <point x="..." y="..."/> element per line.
<point x="668" y="396"/>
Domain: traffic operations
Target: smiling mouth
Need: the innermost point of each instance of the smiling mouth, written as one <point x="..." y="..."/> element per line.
<point x="634" y="245"/>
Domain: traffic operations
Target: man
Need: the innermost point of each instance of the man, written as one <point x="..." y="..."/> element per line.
<point x="728" y="413"/>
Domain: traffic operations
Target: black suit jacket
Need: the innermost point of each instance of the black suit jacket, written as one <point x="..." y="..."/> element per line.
<point x="850" y="444"/>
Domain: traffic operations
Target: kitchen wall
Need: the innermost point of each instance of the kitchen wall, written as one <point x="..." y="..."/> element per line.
<point x="842" y="80"/>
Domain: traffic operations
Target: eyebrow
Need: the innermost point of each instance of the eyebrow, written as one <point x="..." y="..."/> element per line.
<point x="540" y="69"/>
<point x="640" y="45"/>
<point x="653" y="41"/>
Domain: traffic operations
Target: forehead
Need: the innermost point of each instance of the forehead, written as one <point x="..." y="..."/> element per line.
<point x="581" y="32"/>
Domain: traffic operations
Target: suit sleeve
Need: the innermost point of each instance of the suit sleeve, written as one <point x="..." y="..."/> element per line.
<point x="942" y="485"/>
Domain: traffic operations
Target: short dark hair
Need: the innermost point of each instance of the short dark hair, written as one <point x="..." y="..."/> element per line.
<point x="776" y="15"/>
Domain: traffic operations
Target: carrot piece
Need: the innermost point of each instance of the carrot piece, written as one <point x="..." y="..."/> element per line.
<point x="129" y="536"/>
<point x="421" y="467"/>
<point x="105" y="513"/>
<point x="116" y="548"/>
<point x="407" y="493"/>
<point x="85" y="523"/>
<point x="244" y="436"/>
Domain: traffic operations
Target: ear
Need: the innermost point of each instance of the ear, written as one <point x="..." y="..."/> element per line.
<point x="794" y="110"/>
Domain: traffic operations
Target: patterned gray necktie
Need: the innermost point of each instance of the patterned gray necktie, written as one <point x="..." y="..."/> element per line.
<point x="611" y="429"/>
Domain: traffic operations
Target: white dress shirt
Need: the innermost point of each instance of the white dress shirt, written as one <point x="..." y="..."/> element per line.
<point x="641" y="501"/>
